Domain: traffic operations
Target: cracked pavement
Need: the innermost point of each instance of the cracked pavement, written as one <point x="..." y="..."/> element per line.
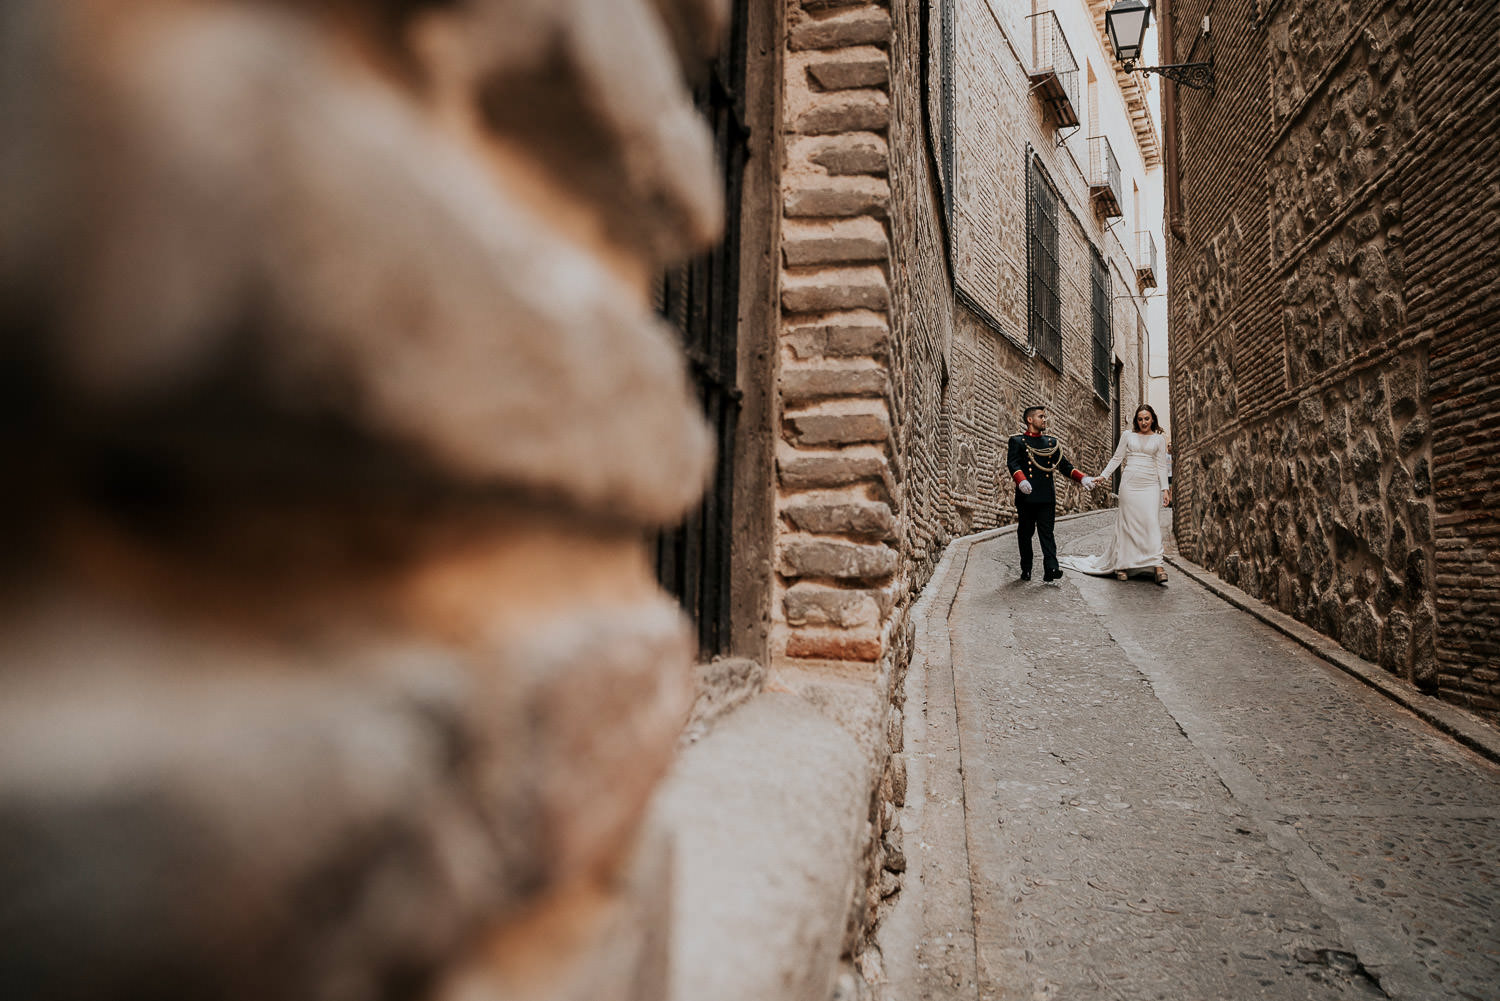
<point x="1164" y="798"/>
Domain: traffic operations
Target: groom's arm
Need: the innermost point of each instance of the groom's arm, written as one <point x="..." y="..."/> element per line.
<point x="1066" y="467"/>
<point x="1014" y="460"/>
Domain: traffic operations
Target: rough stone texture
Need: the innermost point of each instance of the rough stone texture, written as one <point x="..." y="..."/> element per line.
<point x="820" y="558"/>
<point x="851" y="335"/>
<point x="336" y="416"/>
<point x="1333" y="353"/>
<point x="781" y="841"/>
<point x="857" y="68"/>
<point x="835" y="514"/>
<point x="842" y="241"/>
<point x="836" y="196"/>
<point x="722" y="686"/>
<point x="867" y="25"/>
<point x="848" y="154"/>
<point x="825" y="290"/>
<point x="824" y="469"/>
<point x="801" y="385"/>
<point x="808" y="429"/>
<point x="817" y="604"/>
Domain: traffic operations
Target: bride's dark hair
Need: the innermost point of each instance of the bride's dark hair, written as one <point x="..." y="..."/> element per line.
<point x="1155" y="424"/>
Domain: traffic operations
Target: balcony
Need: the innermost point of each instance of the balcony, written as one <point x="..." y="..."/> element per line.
<point x="1145" y="259"/>
<point x="1104" y="178"/>
<point x="1054" y="71"/>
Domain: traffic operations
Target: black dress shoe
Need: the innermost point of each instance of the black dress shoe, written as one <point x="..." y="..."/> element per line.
<point x="1025" y="574"/>
<point x="1052" y="575"/>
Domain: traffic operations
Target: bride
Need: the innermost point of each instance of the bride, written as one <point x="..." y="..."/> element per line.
<point x="1143" y="490"/>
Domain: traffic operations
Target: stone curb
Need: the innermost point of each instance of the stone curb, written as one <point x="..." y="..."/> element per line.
<point x="767" y="812"/>
<point x="1463" y="727"/>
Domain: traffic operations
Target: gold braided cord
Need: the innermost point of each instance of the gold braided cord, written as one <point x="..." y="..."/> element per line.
<point x="1038" y="455"/>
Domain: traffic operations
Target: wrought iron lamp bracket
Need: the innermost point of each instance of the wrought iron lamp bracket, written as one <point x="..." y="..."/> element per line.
<point x="1199" y="76"/>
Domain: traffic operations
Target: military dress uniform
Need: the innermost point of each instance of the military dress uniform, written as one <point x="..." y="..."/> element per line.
<point x="1038" y="458"/>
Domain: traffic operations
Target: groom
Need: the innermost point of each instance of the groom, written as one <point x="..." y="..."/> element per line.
<point x="1033" y="459"/>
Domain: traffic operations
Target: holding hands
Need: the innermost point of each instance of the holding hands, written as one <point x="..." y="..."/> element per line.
<point x="1090" y="482"/>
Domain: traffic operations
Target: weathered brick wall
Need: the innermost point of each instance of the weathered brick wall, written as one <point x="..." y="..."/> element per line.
<point x="1332" y="335"/>
<point x="336" y="419"/>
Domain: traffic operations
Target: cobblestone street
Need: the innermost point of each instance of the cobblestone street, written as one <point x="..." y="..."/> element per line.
<point x="1162" y="797"/>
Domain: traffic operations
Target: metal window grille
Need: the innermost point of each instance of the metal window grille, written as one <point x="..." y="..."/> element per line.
<point x="701" y="299"/>
<point x="1100" y="286"/>
<point x="1042" y="270"/>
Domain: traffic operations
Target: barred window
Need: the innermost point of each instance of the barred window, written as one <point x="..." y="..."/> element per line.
<point x="1103" y="342"/>
<point x="1042" y="272"/>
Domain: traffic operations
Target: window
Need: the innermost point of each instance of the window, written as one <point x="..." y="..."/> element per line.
<point x="1045" y="319"/>
<point x="701" y="299"/>
<point x="1103" y="346"/>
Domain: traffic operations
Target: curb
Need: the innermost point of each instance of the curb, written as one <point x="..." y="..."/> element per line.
<point x="1457" y="723"/>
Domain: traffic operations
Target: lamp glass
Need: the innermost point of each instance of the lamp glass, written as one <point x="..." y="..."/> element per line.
<point x="1125" y="23"/>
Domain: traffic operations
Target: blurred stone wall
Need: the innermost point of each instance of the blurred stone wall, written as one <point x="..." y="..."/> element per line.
<point x="336" y="418"/>
<point x="1333" y="328"/>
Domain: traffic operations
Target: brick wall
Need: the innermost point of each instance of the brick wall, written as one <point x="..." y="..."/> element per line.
<point x="1333" y="332"/>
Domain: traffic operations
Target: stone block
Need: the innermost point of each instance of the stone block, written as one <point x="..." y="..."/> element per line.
<point x="832" y="197"/>
<point x="834" y="241"/>
<point x="767" y="851"/>
<point x="858" y="153"/>
<point x="804" y="384"/>
<point x="862" y="645"/>
<point x="851" y="111"/>
<point x="354" y="279"/>
<point x="840" y="516"/>
<point x="809" y="604"/>
<point x="814" y="429"/>
<point x="828" y="289"/>
<point x="221" y="786"/>
<point x="860" y="26"/>
<point x="853" y="335"/>
<point x="824" y="470"/>
<point x="835" y="559"/>
<point x="856" y="71"/>
<point x="721" y="686"/>
<point x="634" y="147"/>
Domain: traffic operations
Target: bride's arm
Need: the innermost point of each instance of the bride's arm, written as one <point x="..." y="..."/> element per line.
<point x="1161" y="466"/>
<point x="1115" y="462"/>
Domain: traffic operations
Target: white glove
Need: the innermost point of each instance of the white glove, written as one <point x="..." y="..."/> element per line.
<point x="1024" y="486"/>
<point x="1088" y="482"/>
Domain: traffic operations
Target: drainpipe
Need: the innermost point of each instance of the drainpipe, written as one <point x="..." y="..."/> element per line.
<point x="1168" y="54"/>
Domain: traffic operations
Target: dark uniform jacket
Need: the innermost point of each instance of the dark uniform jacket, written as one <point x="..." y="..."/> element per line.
<point x="1038" y="458"/>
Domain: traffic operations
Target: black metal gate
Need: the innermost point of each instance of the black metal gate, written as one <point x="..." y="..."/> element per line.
<point x="1103" y="336"/>
<point x="701" y="299"/>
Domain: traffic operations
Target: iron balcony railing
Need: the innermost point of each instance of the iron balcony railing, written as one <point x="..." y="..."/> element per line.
<point x="1145" y="259"/>
<point x="1054" y="71"/>
<point x="1104" y="177"/>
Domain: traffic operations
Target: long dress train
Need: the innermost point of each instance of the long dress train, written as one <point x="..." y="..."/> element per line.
<point x="1136" y="543"/>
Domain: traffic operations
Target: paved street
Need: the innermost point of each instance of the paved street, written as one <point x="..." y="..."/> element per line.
<point x="1162" y="797"/>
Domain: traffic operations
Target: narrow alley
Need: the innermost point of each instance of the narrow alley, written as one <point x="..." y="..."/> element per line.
<point x="1163" y="797"/>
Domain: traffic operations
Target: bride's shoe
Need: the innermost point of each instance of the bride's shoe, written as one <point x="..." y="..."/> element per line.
<point x="1161" y="575"/>
<point x="1120" y="575"/>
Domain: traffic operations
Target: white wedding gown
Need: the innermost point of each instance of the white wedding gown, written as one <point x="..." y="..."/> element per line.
<point x="1136" y="544"/>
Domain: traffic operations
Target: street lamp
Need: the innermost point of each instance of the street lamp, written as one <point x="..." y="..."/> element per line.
<point x="1125" y="23"/>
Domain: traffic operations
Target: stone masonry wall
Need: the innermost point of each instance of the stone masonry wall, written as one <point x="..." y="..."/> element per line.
<point x="336" y="417"/>
<point x="1333" y="339"/>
